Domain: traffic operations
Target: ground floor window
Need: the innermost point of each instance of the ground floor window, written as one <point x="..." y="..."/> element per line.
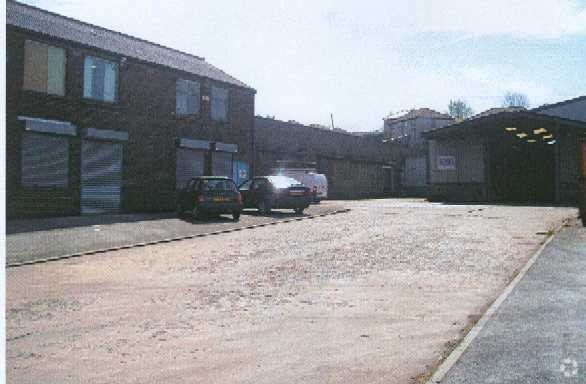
<point x="44" y="161"/>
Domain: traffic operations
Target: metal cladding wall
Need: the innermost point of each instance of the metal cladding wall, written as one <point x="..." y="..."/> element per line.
<point x="469" y="161"/>
<point x="353" y="164"/>
<point x="354" y="179"/>
<point x="461" y="176"/>
<point x="144" y="111"/>
<point x="415" y="172"/>
<point x="568" y="169"/>
<point x="574" y="109"/>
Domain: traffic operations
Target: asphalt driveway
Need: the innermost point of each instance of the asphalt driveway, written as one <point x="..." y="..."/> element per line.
<point x="375" y="295"/>
<point x="35" y="239"/>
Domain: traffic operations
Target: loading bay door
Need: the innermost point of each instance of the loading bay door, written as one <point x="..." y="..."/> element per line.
<point x="190" y="164"/>
<point x="101" y="177"/>
<point x="222" y="164"/>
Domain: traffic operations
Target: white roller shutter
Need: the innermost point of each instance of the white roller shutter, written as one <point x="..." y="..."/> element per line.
<point x="222" y="164"/>
<point x="190" y="164"/>
<point x="101" y="177"/>
<point x="45" y="160"/>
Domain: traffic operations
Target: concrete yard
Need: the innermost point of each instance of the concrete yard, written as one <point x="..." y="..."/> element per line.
<point x="376" y="295"/>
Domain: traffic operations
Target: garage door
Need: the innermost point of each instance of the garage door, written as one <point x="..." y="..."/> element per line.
<point x="190" y="163"/>
<point x="222" y="164"/>
<point x="101" y="177"/>
<point x="45" y="160"/>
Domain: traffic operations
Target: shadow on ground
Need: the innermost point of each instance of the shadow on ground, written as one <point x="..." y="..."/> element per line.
<point x="45" y="224"/>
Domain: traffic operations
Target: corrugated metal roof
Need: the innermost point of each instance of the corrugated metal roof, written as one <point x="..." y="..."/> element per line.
<point x="509" y="113"/>
<point x="548" y="106"/>
<point x="58" y="26"/>
<point x="493" y="111"/>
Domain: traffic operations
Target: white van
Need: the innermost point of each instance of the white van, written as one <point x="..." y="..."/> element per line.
<point x="316" y="181"/>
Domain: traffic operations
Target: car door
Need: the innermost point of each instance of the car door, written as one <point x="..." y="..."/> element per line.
<point x="189" y="194"/>
<point x="258" y="191"/>
<point x="245" y="193"/>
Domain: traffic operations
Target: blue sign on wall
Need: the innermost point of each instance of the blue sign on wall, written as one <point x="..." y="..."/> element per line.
<point x="241" y="172"/>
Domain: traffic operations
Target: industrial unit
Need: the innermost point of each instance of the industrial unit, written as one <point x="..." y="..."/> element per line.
<point x="356" y="166"/>
<point x="509" y="155"/>
<point x="102" y="122"/>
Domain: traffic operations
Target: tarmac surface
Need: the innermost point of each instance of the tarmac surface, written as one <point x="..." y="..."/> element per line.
<point x="34" y="239"/>
<point x="538" y="334"/>
<point x="376" y="295"/>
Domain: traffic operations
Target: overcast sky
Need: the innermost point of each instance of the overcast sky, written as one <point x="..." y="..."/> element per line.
<point x="361" y="60"/>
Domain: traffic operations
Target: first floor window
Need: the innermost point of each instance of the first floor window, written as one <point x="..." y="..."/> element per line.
<point x="186" y="97"/>
<point x="100" y="79"/>
<point x="44" y="68"/>
<point x="44" y="160"/>
<point x="219" y="104"/>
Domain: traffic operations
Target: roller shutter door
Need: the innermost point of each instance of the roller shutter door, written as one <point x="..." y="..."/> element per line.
<point x="101" y="177"/>
<point x="190" y="163"/>
<point x="222" y="164"/>
<point x="45" y="161"/>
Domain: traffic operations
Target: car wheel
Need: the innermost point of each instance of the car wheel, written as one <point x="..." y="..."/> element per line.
<point x="264" y="208"/>
<point x="236" y="216"/>
<point x="196" y="213"/>
<point x="299" y="211"/>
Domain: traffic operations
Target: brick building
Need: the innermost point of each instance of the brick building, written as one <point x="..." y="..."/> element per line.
<point x="355" y="165"/>
<point x="102" y="122"/>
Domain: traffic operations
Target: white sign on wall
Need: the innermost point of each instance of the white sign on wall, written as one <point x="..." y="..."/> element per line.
<point x="445" y="163"/>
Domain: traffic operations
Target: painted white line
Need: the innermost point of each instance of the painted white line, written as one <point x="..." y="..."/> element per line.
<point x="455" y="355"/>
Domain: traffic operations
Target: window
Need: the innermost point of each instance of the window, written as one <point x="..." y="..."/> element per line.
<point x="259" y="184"/>
<point x="99" y="79"/>
<point x="211" y="185"/>
<point x="219" y="104"/>
<point x="186" y="97"/>
<point x="44" y="68"/>
<point x="246" y="185"/>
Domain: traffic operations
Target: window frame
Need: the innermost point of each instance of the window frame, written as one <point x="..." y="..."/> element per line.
<point x="227" y="103"/>
<point x="65" y="66"/>
<point x="246" y="188"/>
<point x="116" y="79"/>
<point x="192" y="81"/>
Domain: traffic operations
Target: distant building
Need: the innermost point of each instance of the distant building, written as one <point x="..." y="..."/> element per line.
<point x="405" y="132"/>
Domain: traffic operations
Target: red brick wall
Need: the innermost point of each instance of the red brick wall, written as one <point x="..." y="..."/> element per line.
<point x="145" y="109"/>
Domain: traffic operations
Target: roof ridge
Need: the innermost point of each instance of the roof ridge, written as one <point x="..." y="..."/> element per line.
<point x="104" y="29"/>
<point x="413" y="114"/>
<point x="546" y="106"/>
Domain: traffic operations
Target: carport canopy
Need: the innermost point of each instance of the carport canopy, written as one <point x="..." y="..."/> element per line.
<point x="515" y="121"/>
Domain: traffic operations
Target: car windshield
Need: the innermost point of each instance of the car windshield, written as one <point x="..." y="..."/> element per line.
<point x="212" y="185"/>
<point x="283" y="181"/>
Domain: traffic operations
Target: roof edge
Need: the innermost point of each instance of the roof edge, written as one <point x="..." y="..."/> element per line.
<point x="435" y="132"/>
<point x="102" y="28"/>
<point x="547" y="106"/>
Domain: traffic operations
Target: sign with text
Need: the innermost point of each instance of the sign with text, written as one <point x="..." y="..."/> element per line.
<point x="446" y="163"/>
